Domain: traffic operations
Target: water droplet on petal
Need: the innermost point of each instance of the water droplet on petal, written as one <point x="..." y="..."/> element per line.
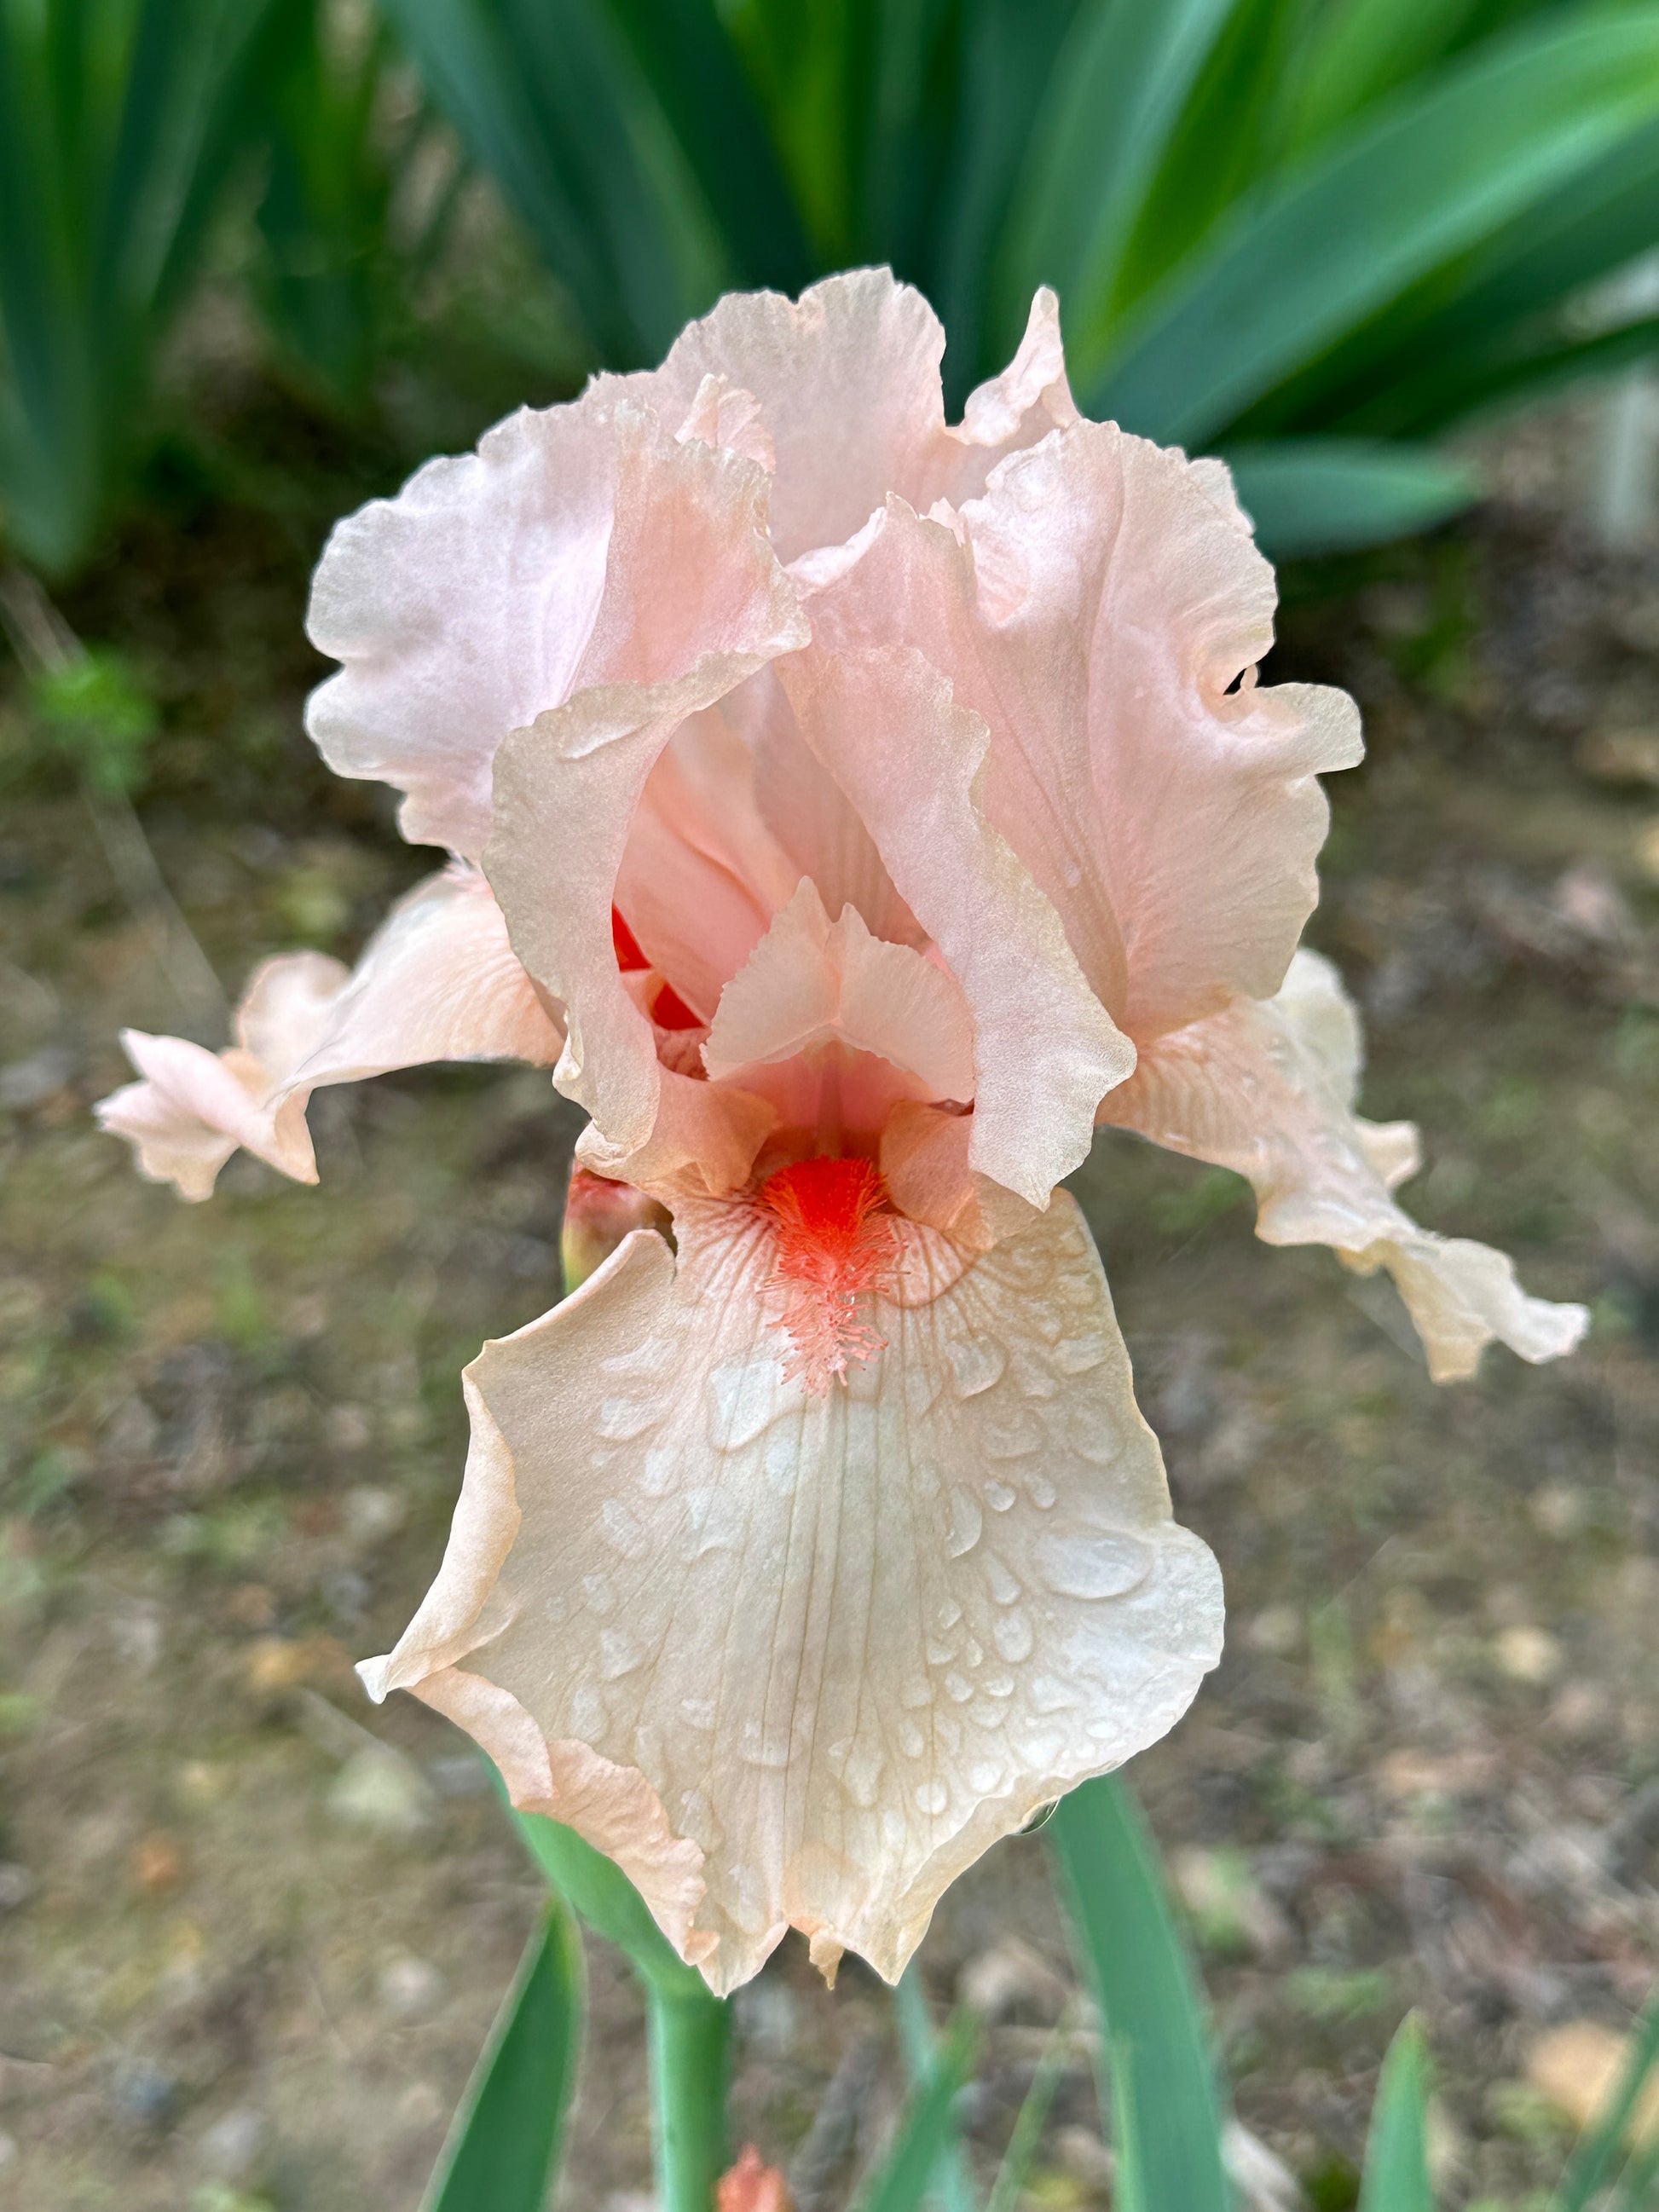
<point x="1012" y="1634"/>
<point x="620" y="1419"/>
<point x="976" y="1362"/>
<point x="912" y="1742"/>
<point x="619" y="1653"/>
<point x="932" y="1797"/>
<point x="1093" y="1566"/>
<point x="964" y="1524"/>
<point x="998" y="1497"/>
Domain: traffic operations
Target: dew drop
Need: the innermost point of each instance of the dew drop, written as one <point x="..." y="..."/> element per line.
<point x="1076" y="1355"/>
<point x="1093" y="1566"/>
<point x="700" y="1713"/>
<point x="743" y="1401"/>
<point x="984" y="1777"/>
<point x="976" y="1362"/>
<point x="997" y="1496"/>
<point x="933" y="1796"/>
<point x="601" y="1598"/>
<point x="912" y="1742"/>
<point x="939" y="1654"/>
<point x="1012" y="1634"/>
<point x="1041" y="1491"/>
<point x="963" y="1522"/>
<point x="1013" y="1433"/>
<point x="862" y="1775"/>
<point x="619" y="1653"/>
<point x="1002" y="1582"/>
<point x="948" y="1613"/>
<point x="958" y="1688"/>
<point x="620" y="1419"/>
<point x="588" y="1713"/>
<point x="621" y="1530"/>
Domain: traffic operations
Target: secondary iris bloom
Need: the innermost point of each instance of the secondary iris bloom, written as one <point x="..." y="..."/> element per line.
<point x="857" y="810"/>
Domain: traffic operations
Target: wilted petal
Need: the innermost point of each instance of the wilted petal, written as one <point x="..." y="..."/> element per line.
<point x="1267" y="1089"/>
<point x="579" y="546"/>
<point x="723" y="600"/>
<point x="909" y="759"/>
<point x="810" y="982"/>
<point x="1096" y="611"/>
<point x="438" y="980"/>
<point x="843" y="1641"/>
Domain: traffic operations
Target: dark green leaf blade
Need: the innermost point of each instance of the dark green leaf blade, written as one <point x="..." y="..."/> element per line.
<point x="503" y="2148"/>
<point x="1396" y="2177"/>
<point x="1430" y="178"/>
<point x="1330" y="494"/>
<point x="1138" y="1967"/>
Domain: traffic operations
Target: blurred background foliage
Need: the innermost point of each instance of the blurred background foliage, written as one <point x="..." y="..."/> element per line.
<point x="1315" y="235"/>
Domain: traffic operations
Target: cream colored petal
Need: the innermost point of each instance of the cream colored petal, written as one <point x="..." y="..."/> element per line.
<point x="845" y="1641"/>
<point x="910" y="761"/>
<point x="579" y="545"/>
<point x="1096" y="612"/>
<point x="438" y="980"/>
<point x="810" y="982"/>
<point x="188" y="1112"/>
<point x="568" y="787"/>
<point x="1010" y="412"/>
<point x="848" y="385"/>
<point x="1266" y="1089"/>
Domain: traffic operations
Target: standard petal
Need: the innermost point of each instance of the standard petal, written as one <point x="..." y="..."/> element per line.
<point x="844" y="1642"/>
<point x="1268" y="1090"/>
<point x="909" y="759"/>
<point x="845" y="380"/>
<point x="579" y="546"/>
<point x="586" y="764"/>
<point x="1103" y="612"/>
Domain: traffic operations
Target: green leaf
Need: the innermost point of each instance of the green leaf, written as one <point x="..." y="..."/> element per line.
<point x="608" y="1902"/>
<point x="926" y="2125"/>
<point x="1168" y="2116"/>
<point x="1117" y="88"/>
<point x="547" y="97"/>
<point x="1428" y="179"/>
<point x="1329" y="494"/>
<point x="684" y="51"/>
<point x="1594" y="2161"/>
<point x="502" y="2150"/>
<point x="1396" y="2177"/>
<point x="920" y="2047"/>
<point x="1017" y="2159"/>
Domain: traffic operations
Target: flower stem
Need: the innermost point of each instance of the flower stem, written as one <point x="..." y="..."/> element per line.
<point x="690" y="2038"/>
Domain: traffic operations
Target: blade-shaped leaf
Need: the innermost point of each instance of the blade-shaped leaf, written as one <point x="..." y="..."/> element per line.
<point x="1117" y="87"/>
<point x="608" y="1902"/>
<point x="926" y="2126"/>
<point x="683" y="50"/>
<point x="954" y="2187"/>
<point x="1396" y="2177"/>
<point x="503" y="2149"/>
<point x="1593" y="2162"/>
<point x="1429" y="179"/>
<point x="1329" y="495"/>
<point x="1163" y="2082"/>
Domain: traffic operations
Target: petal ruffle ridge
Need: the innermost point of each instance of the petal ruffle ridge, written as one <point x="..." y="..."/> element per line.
<point x="912" y="762"/>
<point x="587" y="762"/>
<point x="843" y="1641"/>
<point x="1267" y="1089"/>
<point x="845" y="380"/>
<point x="576" y="547"/>
<point x="1102" y="608"/>
<point x="437" y="982"/>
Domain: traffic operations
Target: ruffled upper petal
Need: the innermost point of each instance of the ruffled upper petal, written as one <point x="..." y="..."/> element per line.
<point x="841" y="1643"/>
<point x="566" y="552"/>
<point x="846" y="382"/>
<point x="700" y="531"/>
<point x="438" y="980"/>
<point x="909" y="759"/>
<point x="1267" y="1089"/>
<point x="1098" y="609"/>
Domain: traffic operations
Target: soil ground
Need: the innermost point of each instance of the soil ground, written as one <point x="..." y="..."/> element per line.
<point x="252" y="1930"/>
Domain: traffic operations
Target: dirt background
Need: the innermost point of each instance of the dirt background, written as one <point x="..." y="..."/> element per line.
<point x="252" y="1931"/>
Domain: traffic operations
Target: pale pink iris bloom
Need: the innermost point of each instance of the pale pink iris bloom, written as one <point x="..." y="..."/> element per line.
<point x="858" y="809"/>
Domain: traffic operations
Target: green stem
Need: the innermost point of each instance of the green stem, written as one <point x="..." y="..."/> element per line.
<point x="690" y="2038"/>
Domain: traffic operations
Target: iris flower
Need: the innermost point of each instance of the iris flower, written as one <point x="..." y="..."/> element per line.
<point x="853" y="810"/>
